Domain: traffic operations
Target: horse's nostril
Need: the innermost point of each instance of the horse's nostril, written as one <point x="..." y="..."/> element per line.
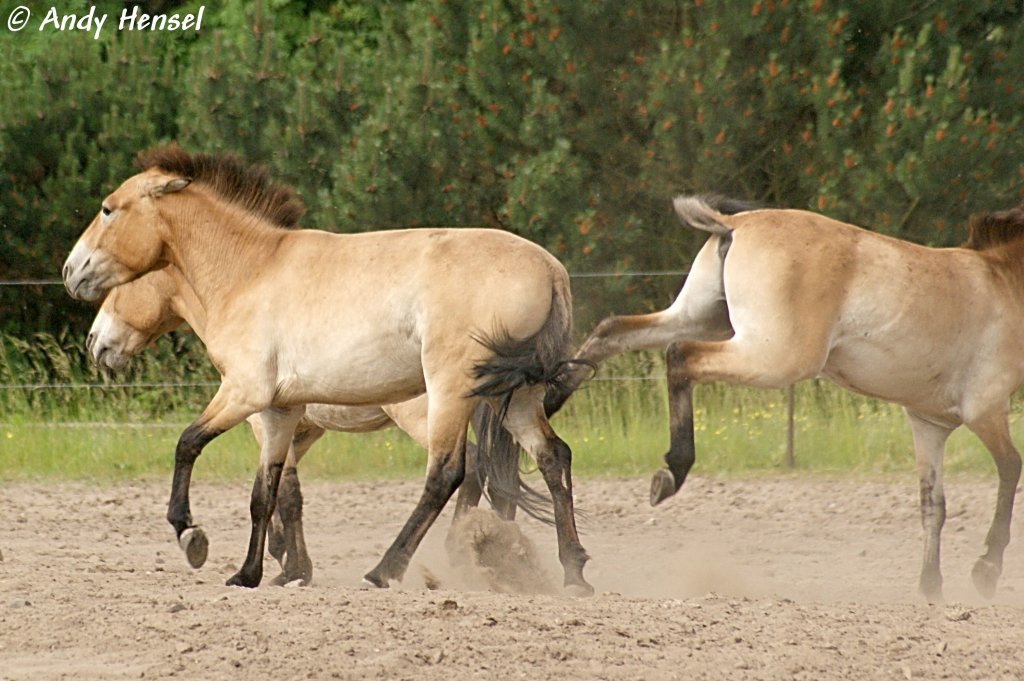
<point x="66" y="272"/>
<point x="89" y="340"/>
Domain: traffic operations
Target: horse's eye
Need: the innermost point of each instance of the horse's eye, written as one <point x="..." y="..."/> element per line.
<point x="105" y="210"/>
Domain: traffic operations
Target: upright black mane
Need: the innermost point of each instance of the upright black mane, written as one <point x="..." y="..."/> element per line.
<point x="988" y="230"/>
<point x="247" y="186"/>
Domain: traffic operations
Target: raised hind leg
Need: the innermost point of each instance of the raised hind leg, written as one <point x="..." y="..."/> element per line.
<point x="682" y="451"/>
<point x="994" y="432"/>
<point x="929" y="446"/>
<point x="278" y="428"/>
<point x="448" y="420"/>
<point x="224" y="411"/>
<point x="699" y="312"/>
<point x="746" y="360"/>
<point x="526" y="421"/>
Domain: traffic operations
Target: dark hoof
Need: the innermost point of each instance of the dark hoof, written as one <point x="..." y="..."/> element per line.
<point x="663" y="485"/>
<point x="303" y="577"/>
<point x="284" y="580"/>
<point x="371" y="581"/>
<point x="985" y="576"/>
<point x="240" y="578"/>
<point x="579" y="590"/>
<point x="194" y="543"/>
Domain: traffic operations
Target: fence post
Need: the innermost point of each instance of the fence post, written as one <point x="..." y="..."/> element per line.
<point x="790" y="426"/>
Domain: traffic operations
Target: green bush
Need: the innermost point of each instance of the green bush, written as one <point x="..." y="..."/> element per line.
<point x="571" y="125"/>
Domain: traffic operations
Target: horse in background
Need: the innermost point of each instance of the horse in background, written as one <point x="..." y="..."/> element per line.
<point x="779" y="296"/>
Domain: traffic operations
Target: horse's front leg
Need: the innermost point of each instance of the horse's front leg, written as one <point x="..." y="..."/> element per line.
<point x="682" y="451"/>
<point x="294" y="557"/>
<point x="446" y="469"/>
<point x="929" y="445"/>
<point x="191" y="538"/>
<point x="221" y="414"/>
<point x="994" y="432"/>
<point x="278" y="430"/>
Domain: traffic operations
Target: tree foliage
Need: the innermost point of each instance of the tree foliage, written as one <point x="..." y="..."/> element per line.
<point x="571" y="124"/>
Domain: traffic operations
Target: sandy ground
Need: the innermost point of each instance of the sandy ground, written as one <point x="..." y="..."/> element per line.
<point x="733" y="579"/>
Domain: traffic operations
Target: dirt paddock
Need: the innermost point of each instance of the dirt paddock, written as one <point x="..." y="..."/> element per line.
<point x="772" y="579"/>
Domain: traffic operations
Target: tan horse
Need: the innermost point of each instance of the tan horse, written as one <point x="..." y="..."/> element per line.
<point x="295" y="317"/>
<point x="778" y="296"/>
<point x="138" y="312"/>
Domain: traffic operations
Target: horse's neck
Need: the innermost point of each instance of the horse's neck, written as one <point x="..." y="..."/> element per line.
<point x="218" y="247"/>
<point x="187" y="305"/>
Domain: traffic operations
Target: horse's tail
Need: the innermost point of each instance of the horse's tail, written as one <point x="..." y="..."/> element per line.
<point x="498" y="458"/>
<point x="539" y="359"/>
<point x="706" y="212"/>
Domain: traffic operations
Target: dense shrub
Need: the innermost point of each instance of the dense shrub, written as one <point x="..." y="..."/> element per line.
<point x="572" y="125"/>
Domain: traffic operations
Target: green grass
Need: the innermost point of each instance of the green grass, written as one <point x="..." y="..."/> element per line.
<point x="30" y="451"/>
<point x="615" y="428"/>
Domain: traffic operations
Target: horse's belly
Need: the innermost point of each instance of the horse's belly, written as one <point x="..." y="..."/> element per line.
<point x="910" y="379"/>
<point x="356" y="375"/>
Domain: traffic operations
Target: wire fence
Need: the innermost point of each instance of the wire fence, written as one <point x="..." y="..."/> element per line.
<point x="678" y="274"/>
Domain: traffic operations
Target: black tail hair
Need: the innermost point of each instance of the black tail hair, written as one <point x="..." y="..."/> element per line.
<point x="537" y="360"/>
<point x="498" y="458"/>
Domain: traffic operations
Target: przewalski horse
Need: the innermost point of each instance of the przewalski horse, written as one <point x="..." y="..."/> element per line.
<point x="295" y="317"/>
<point x="778" y="296"/>
<point x="135" y="314"/>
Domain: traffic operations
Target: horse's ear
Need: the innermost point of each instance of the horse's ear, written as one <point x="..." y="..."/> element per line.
<point x="171" y="186"/>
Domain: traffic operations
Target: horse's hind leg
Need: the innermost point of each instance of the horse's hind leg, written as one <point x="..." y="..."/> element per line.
<point x="699" y="312"/>
<point x="994" y="432"/>
<point x="279" y="428"/>
<point x="682" y="452"/>
<point x="471" y="488"/>
<point x="528" y="424"/>
<point x="929" y="445"/>
<point x="494" y="462"/>
<point x="446" y="467"/>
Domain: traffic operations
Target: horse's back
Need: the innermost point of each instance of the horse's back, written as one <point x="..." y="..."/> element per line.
<point x="903" y="322"/>
<point x="363" y="310"/>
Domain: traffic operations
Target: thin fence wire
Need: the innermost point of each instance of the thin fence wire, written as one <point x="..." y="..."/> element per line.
<point x="573" y="275"/>
<point x="30" y="282"/>
<point x="101" y="386"/>
<point x="213" y="384"/>
<point x="207" y="384"/>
